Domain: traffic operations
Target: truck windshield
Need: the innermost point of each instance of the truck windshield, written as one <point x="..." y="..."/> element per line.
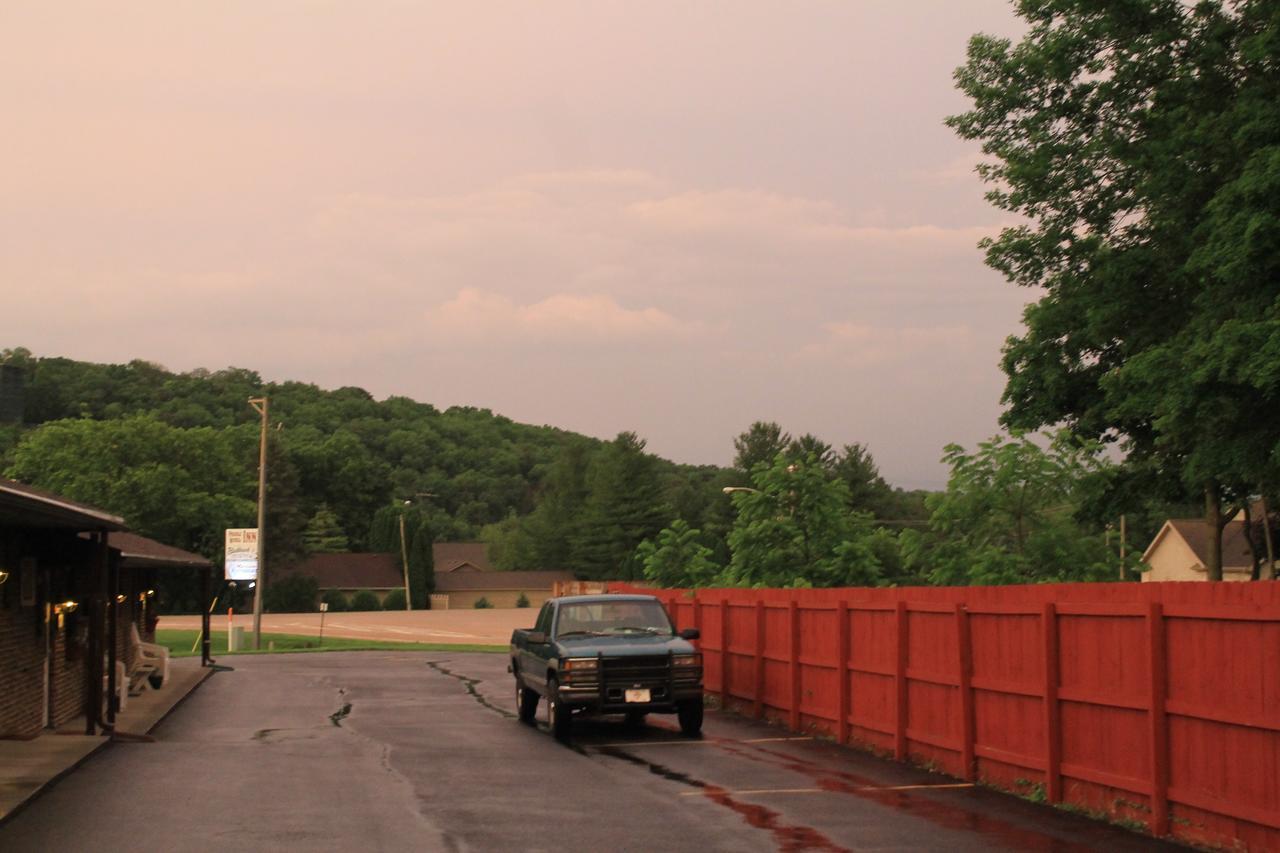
<point x="613" y="617"/>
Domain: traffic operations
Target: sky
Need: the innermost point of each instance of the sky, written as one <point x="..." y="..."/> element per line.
<point x="674" y="218"/>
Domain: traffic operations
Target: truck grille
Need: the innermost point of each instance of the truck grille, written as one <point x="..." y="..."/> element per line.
<point x="645" y="671"/>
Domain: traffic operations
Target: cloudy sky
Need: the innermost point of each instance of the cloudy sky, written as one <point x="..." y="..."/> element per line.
<point x="668" y="217"/>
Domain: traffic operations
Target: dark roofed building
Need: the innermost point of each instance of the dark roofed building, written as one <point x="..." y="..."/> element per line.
<point x="452" y="557"/>
<point x="349" y="573"/>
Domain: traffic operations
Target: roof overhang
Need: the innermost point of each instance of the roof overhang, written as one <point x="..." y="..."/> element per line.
<point x="20" y="507"/>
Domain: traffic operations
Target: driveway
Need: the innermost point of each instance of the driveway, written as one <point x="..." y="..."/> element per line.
<point x="421" y="751"/>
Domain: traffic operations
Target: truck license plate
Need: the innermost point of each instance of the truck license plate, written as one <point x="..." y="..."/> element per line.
<point x="638" y="695"/>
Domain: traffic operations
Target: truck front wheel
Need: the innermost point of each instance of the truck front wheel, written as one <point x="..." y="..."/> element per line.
<point x="690" y="715"/>
<point x="558" y="716"/>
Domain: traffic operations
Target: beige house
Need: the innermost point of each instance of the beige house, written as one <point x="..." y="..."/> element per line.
<point x="463" y="588"/>
<point x="1181" y="547"/>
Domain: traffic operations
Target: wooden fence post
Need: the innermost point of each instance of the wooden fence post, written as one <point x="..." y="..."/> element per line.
<point x="697" y="616"/>
<point x="1159" y="721"/>
<point x="724" y="653"/>
<point x="759" y="658"/>
<point x="1052" y="710"/>
<point x="900" y="683"/>
<point x="842" y="673"/>
<point x="968" y="727"/>
<point x="793" y="625"/>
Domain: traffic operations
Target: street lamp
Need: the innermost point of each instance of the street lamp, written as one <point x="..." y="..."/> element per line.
<point x="404" y="548"/>
<point x="728" y="490"/>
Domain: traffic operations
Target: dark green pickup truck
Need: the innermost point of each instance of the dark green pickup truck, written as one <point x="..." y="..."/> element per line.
<point x="607" y="654"/>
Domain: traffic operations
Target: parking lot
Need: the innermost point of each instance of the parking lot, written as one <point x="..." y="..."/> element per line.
<point x="421" y="751"/>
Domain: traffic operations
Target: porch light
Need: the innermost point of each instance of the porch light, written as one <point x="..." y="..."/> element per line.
<point x="120" y="598"/>
<point x="4" y="576"/>
<point x="67" y="606"/>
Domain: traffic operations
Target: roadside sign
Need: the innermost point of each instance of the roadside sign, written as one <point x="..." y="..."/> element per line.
<point x="324" y="607"/>
<point x="241" y="554"/>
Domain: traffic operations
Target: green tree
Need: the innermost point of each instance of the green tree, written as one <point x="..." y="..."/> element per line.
<point x="364" y="600"/>
<point x="624" y="506"/>
<point x="1009" y="516"/>
<point x="868" y="492"/>
<point x="1140" y="143"/>
<point x="323" y="534"/>
<point x="336" y="600"/>
<point x="759" y="445"/>
<point x="795" y="529"/>
<point x="422" y="566"/>
<point x="394" y="600"/>
<point x="675" y="558"/>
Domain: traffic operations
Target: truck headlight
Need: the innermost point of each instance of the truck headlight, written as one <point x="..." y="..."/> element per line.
<point x="687" y="660"/>
<point x="581" y="665"/>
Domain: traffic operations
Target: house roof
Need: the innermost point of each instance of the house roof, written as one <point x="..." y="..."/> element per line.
<point x="468" y="581"/>
<point x="352" y="571"/>
<point x="141" y="552"/>
<point x="26" y="506"/>
<point x="451" y="556"/>
<point x="1195" y="532"/>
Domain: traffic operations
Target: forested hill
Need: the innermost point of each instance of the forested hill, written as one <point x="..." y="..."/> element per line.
<point x="176" y="454"/>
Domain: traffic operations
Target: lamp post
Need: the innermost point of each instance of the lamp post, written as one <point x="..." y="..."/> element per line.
<point x="260" y="406"/>
<point x="404" y="548"/>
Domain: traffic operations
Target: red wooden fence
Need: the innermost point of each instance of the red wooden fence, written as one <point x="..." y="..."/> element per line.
<point x="1154" y="702"/>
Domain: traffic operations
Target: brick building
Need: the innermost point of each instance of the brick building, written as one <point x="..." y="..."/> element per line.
<point x="72" y="583"/>
<point x="53" y="588"/>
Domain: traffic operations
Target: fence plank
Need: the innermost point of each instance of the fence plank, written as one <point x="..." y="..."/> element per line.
<point x="900" y="682"/>
<point x="759" y="695"/>
<point x="1158" y="720"/>
<point x="724" y="653"/>
<point x="968" y="722"/>
<point x="1052" y="710"/>
<point x="793" y="624"/>
<point x="842" y="672"/>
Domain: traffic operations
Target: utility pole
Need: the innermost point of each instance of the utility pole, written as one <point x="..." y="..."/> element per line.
<point x="404" y="560"/>
<point x="260" y="406"/>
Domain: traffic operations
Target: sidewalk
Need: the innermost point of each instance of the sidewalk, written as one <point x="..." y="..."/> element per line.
<point x="28" y="767"/>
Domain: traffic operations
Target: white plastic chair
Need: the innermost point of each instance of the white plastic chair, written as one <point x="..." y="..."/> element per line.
<point x="149" y="655"/>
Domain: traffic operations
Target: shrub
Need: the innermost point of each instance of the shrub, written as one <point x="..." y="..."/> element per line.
<point x="336" y="600"/>
<point x="482" y="603"/>
<point x="522" y="601"/>
<point x="291" y="594"/>
<point x="394" y="600"/>
<point x="365" y="600"/>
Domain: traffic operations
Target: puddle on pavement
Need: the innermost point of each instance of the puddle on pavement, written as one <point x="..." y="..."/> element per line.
<point x="914" y="803"/>
<point x="788" y="837"/>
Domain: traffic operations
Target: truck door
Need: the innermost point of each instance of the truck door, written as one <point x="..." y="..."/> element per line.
<point x="533" y="658"/>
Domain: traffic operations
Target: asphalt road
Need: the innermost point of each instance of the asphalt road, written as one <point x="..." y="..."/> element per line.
<point x="421" y="751"/>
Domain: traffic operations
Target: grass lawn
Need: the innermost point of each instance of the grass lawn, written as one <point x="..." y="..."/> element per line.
<point x="180" y="644"/>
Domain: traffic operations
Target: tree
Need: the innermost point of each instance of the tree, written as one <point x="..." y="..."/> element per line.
<point x="675" y="558"/>
<point x="291" y="594"/>
<point x="795" y="529"/>
<point x="1008" y="516"/>
<point x="323" y="534"/>
<point x="422" y="566"/>
<point x="868" y="491"/>
<point x="810" y="445"/>
<point x="759" y="445"/>
<point x="624" y="506"/>
<point x="1141" y="142"/>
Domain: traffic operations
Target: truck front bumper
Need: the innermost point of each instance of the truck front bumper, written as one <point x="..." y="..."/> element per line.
<point x="589" y="698"/>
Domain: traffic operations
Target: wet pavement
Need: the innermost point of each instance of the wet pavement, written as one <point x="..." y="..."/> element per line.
<point x="422" y="751"/>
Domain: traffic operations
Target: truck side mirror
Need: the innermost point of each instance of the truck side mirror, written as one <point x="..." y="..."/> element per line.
<point x="690" y="634"/>
<point x="538" y="637"/>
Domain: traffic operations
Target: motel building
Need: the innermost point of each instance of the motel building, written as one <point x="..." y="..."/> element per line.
<point x="77" y="613"/>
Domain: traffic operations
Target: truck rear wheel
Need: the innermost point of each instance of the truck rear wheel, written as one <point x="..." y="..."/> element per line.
<point x="526" y="702"/>
<point x="690" y="716"/>
<point x="558" y="716"/>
